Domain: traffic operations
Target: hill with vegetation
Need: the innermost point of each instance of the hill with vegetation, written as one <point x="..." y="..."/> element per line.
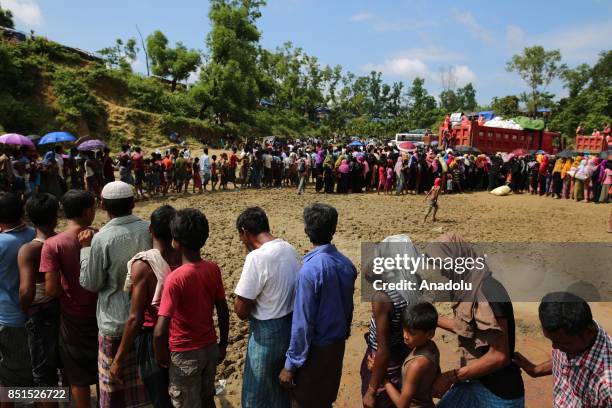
<point x="242" y="90"/>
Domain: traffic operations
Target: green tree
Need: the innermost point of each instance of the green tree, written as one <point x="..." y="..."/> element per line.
<point x="575" y="79"/>
<point x="466" y="98"/>
<point x="175" y="63"/>
<point x="506" y="106"/>
<point x="448" y="100"/>
<point x="421" y="106"/>
<point x="537" y="67"/>
<point x="229" y="86"/>
<point x="590" y="99"/>
<point x="120" y="55"/>
<point x="6" y="18"/>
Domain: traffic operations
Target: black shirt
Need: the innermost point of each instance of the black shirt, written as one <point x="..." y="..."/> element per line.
<point x="506" y="382"/>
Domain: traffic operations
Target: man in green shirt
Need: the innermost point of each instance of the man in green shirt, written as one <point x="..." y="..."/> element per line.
<point x="103" y="270"/>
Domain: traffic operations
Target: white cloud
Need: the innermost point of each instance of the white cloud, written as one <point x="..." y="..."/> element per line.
<point x="26" y="12"/>
<point x="515" y="37"/>
<point x="464" y="75"/>
<point x="468" y="20"/>
<point x="578" y="44"/>
<point x="431" y="53"/>
<point x="402" y="67"/>
<point x="382" y="24"/>
<point x="363" y="16"/>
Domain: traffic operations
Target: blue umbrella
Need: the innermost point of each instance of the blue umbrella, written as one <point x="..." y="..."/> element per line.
<point x="356" y="143"/>
<point x="56" y="137"/>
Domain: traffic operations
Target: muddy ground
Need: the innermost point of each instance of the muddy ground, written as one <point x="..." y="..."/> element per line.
<point x="370" y="217"/>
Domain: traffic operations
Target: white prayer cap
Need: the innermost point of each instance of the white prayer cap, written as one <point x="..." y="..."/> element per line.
<point x="117" y="190"/>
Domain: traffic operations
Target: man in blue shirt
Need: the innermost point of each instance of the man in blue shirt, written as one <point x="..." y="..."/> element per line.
<point x="322" y="315"/>
<point x="15" y="365"/>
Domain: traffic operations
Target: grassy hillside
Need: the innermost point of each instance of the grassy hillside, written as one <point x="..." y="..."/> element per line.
<point x="45" y="86"/>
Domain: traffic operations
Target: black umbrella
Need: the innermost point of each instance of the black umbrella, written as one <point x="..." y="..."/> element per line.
<point x="566" y="154"/>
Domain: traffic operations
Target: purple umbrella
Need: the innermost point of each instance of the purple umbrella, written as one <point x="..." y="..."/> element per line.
<point x="16" y="139"/>
<point x="90" y="145"/>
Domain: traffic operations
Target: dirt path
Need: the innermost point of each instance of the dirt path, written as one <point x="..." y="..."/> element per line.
<point x="368" y="217"/>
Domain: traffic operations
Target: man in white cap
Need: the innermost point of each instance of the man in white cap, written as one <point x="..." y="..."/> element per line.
<point x="103" y="270"/>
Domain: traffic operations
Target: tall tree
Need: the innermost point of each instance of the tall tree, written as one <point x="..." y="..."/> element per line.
<point x="466" y="98"/>
<point x="505" y="106"/>
<point x="6" y="18"/>
<point x="229" y="83"/>
<point x="448" y="100"/>
<point x="421" y="105"/>
<point x="537" y="67"/>
<point x="120" y="55"/>
<point x="175" y="63"/>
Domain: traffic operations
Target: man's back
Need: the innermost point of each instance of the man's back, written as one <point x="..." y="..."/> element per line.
<point x="332" y="276"/>
<point x="10" y="242"/>
<point x="106" y="267"/>
<point x="189" y="297"/>
<point x="268" y="278"/>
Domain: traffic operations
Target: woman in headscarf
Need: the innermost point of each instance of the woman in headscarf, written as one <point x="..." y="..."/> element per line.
<point x="483" y="319"/>
<point x="572" y="173"/>
<point x="588" y="186"/>
<point x="385" y="343"/>
<point x="606" y="186"/>
<point x="543" y="174"/>
<point x="556" y="174"/>
<point x="566" y="178"/>
<point x="579" y="177"/>
<point x="343" y="181"/>
<point x="328" y="173"/>
<point x="399" y="174"/>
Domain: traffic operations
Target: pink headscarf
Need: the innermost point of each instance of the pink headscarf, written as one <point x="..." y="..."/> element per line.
<point x="399" y="165"/>
<point x="343" y="168"/>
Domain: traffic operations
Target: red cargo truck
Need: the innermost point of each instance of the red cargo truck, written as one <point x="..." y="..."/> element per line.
<point x="591" y="144"/>
<point x="492" y="140"/>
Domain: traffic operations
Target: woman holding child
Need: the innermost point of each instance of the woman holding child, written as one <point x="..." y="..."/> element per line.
<point x="483" y="319"/>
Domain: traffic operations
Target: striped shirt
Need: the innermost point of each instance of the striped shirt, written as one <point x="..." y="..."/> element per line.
<point x="397" y="336"/>
<point x="585" y="380"/>
<point x="104" y="268"/>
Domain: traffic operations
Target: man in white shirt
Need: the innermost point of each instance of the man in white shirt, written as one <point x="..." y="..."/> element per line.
<point x="264" y="295"/>
<point x="267" y="158"/>
<point x="205" y="168"/>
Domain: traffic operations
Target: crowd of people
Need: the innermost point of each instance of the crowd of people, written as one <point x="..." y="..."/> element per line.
<point x="329" y="168"/>
<point x="131" y="309"/>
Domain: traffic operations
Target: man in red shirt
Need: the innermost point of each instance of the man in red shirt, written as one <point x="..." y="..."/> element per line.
<point x="60" y="262"/>
<point x="138" y="165"/>
<point x="186" y="317"/>
<point x="233" y="164"/>
<point x="147" y="272"/>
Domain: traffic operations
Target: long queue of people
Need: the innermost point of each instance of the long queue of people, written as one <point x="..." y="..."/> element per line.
<point x="329" y="168"/>
<point x="130" y="308"/>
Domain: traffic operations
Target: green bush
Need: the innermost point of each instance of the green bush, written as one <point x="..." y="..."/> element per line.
<point x="75" y="100"/>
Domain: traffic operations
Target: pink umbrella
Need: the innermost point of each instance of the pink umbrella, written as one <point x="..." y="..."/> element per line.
<point x="16" y="139"/>
<point x="406" y="146"/>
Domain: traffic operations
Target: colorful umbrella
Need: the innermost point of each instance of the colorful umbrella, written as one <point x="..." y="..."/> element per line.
<point x="16" y="139"/>
<point x="406" y="146"/>
<point x="56" y="137"/>
<point x="90" y="145"/>
<point x="520" y="152"/>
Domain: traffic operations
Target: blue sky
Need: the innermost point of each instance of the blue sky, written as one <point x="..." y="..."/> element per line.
<point x="401" y="38"/>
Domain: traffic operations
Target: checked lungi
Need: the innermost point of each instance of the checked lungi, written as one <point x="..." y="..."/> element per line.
<point x="129" y="393"/>
<point x="268" y="343"/>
